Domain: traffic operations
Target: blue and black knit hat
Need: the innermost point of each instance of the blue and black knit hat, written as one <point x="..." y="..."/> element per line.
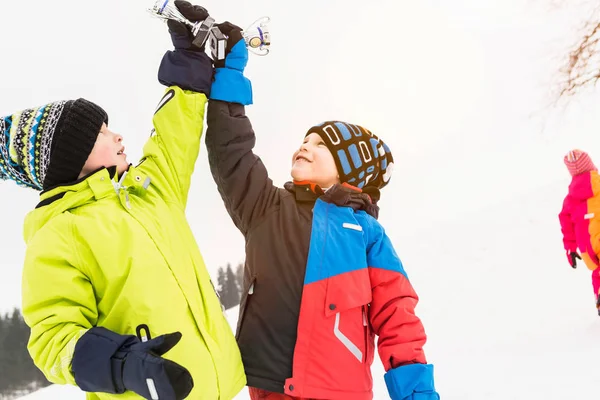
<point x="46" y="146"/>
<point x="362" y="159"/>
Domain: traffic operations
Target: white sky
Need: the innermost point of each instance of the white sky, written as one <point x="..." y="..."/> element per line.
<point x="454" y="88"/>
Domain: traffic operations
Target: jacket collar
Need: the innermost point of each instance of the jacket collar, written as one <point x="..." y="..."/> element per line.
<point x="101" y="182"/>
<point x="343" y="195"/>
<point x="304" y="191"/>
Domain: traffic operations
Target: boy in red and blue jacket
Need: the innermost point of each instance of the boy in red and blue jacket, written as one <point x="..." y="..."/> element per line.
<point x="322" y="278"/>
<point x="579" y="224"/>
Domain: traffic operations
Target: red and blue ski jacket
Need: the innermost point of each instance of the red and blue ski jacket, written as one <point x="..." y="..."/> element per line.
<point x="322" y="280"/>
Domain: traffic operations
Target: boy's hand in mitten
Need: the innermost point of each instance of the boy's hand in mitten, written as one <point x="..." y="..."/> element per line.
<point x="181" y="34"/>
<point x="230" y="84"/>
<point x="105" y="361"/>
<point x="238" y="58"/>
<point x="142" y="361"/>
<point x="188" y="66"/>
<point x="411" y="382"/>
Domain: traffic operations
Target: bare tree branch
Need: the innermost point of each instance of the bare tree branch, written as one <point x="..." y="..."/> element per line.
<point x="581" y="69"/>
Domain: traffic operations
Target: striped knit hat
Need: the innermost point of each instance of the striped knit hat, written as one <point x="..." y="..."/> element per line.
<point x="579" y="162"/>
<point x="47" y="146"/>
<point x="362" y="159"/>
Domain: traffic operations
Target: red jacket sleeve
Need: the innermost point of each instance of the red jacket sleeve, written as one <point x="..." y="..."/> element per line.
<point x="392" y="312"/>
<point x="567" y="226"/>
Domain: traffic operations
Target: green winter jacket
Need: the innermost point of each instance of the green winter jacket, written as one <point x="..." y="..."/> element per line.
<point x="120" y="253"/>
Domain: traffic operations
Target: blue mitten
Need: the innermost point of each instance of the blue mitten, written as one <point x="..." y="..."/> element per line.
<point x="230" y="84"/>
<point x="411" y="382"/>
<point x="188" y="66"/>
<point x="105" y="361"/>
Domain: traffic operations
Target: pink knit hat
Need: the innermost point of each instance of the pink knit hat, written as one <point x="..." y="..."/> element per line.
<point x="579" y="162"/>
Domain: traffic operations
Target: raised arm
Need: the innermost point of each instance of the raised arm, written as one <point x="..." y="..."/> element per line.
<point x="240" y="175"/>
<point x="171" y="153"/>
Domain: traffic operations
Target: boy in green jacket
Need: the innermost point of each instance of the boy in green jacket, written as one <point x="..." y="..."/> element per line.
<point x="114" y="287"/>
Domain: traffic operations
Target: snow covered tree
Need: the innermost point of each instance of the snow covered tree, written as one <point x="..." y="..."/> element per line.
<point x="239" y="276"/>
<point x="228" y="287"/>
<point x="233" y="291"/>
<point x="18" y="374"/>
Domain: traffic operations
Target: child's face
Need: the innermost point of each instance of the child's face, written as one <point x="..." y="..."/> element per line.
<point x="107" y="152"/>
<point x="314" y="162"/>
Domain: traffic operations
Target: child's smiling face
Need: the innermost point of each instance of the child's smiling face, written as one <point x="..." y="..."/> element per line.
<point x="107" y="152"/>
<point x="314" y="162"/>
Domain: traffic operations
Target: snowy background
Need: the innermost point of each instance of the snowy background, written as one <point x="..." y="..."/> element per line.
<point x="460" y="92"/>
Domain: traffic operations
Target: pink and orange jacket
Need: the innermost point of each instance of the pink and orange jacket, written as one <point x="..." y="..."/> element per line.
<point x="580" y="218"/>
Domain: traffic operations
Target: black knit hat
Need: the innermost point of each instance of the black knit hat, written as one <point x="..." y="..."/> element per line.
<point x="362" y="159"/>
<point x="76" y="135"/>
<point x="46" y="146"/>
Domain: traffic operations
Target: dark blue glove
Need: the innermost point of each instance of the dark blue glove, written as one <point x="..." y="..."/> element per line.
<point x="411" y="382"/>
<point x="105" y="361"/>
<point x="230" y="84"/>
<point x="188" y="66"/>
